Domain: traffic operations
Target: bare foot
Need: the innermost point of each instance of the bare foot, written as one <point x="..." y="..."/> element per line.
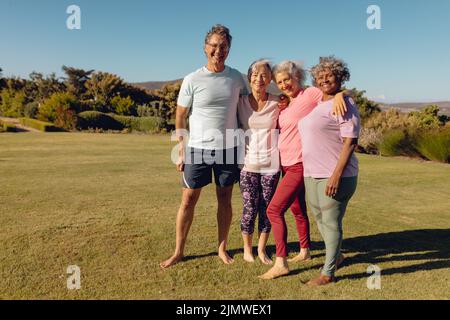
<point x="320" y="281"/>
<point x="248" y="256"/>
<point x="225" y="258"/>
<point x="171" y="261"/>
<point x="274" y="272"/>
<point x="264" y="258"/>
<point x="302" y="256"/>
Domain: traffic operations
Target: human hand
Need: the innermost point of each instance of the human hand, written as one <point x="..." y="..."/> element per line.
<point x="332" y="185"/>
<point x="339" y="105"/>
<point x="284" y="102"/>
<point x="180" y="162"/>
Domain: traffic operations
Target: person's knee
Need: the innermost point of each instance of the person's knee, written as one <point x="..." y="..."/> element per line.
<point x="189" y="200"/>
<point x="224" y="196"/>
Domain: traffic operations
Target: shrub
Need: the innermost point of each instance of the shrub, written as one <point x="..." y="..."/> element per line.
<point x="141" y="124"/>
<point x="397" y="143"/>
<point x="39" y="125"/>
<point x="66" y="118"/>
<point x="435" y="145"/>
<point x="12" y="103"/>
<point x="7" y="127"/>
<point x="123" y="106"/>
<point x="97" y="120"/>
<point x="427" y="118"/>
<point x="31" y="109"/>
<point x="67" y="101"/>
<point x="146" y="111"/>
<point x="369" y="139"/>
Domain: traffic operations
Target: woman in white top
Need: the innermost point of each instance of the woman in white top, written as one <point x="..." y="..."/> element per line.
<point x="258" y="114"/>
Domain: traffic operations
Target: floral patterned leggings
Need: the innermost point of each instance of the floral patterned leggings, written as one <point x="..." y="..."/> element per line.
<point x="257" y="190"/>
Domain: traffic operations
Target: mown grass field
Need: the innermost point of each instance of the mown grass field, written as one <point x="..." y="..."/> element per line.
<point x="107" y="203"/>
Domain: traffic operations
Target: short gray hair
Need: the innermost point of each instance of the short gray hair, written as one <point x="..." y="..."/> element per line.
<point x="260" y="62"/>
<point x="337" y="66"/>
<point x="294" y="69"/>
<point x="221" y="30"/>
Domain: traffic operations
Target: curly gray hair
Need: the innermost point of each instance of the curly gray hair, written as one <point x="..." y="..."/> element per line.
<point x="337" y="66"/>
<point x="294" y="69"/>
<point x="221" y="30"/>
<point x="255" y="64"/>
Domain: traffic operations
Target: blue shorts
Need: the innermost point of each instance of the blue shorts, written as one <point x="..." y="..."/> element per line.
<point x="200" y="164"/>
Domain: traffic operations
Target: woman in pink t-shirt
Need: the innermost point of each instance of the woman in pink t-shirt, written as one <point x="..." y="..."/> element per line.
<point x="290" y="193"/>
<point x="331" y="168"/>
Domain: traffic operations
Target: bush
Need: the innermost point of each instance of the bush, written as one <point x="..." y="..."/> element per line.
<point x="146" y="111"/>
<point x="110" y="121"/>
<point x="435" y="145"/>
<point x="39" y="125"/>
<point x="141" y="124"/>
<point x="12" y="103"/>
<point x="398" y="143"/>
<point x="66" y="118"/>
<point x="67" y="101"/>
<point x="123" y="106"/>
<point x="97" y="120"/>
<point x="369" y="139"/>
<point x="7" y="127"/>
<point x="31" y="110"/>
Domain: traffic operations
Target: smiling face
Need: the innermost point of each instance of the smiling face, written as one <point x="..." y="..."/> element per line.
<point x="216" y="50"/>
<point x="287" y="84"/>
<point x="260" y="78"/>
<point x="327" y="82"/>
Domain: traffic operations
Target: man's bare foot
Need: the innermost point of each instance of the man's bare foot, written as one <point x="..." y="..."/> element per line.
<point x="248" y="256"/>
<point x="302" y="256"/>
<point x="320" y="281"/>
<point x="274" y="272"/>
<point x="171" y="261"/>
<point x="264" y="257"/>
<point x="225" y="257"/>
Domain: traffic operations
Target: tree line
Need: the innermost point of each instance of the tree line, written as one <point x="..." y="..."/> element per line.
<point x="60" y="100"/>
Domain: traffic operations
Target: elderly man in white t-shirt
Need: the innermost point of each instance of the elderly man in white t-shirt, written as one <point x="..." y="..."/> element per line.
<point x="212" y="93"/>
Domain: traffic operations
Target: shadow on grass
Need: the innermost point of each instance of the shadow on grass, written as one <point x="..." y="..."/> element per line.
<point x="408" y="245"/>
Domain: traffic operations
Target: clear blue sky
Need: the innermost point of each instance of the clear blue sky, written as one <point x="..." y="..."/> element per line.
<point x="407" y="60"/>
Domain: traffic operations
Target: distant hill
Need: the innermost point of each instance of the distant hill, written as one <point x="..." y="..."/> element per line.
<point x="154" y="85"/>
<point x="444" y="106"/>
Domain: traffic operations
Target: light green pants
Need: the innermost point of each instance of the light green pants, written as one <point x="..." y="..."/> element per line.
<point x="329" y="212"/>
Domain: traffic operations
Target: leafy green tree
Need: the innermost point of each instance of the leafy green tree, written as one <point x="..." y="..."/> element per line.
<point x="75" y="80"/>
<point x="366" y="107"/>
<point x="101" y="88"/>
<point x="168" y="100"/>
<point x="41" y="87"/>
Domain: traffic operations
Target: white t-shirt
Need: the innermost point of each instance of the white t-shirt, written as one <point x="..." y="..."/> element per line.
<point x="213" y="98"/>
<point x="261" y="135"/>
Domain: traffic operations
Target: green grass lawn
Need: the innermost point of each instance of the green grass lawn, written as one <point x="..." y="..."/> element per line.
<point x="108" y="202"/>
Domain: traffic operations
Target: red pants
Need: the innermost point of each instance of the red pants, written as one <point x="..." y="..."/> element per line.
<point x="290" y="193"/>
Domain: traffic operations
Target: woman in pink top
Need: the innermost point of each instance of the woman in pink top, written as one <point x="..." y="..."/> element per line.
<point x="290" y="192"/>
<point x="331" y="168"/>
